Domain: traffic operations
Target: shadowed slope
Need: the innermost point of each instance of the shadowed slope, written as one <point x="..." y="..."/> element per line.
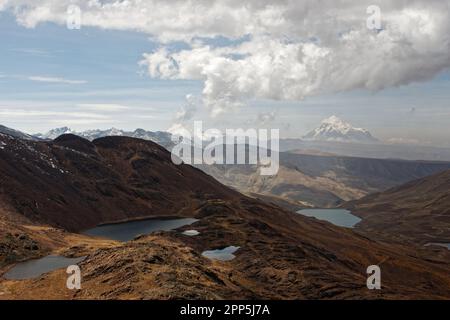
<point x="418" y="210"/>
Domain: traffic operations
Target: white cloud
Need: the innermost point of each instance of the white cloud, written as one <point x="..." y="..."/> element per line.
<point x="187" y="111"/>
<point x="291" y="49"/>
<point x="184" y="114"/>
<point x="103" y="106"/>
<point x="283" y="70"/>
<point x="55" y="80"/>
<point x="177" y="129"/>
<point x="36" y="113"/>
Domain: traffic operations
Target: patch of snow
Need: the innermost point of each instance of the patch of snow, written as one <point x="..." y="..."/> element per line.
<point x="335" y="129"/>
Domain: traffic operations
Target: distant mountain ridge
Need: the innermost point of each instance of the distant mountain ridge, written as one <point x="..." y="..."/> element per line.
<point x="160" y="137"/>
<point x="345" y="148"/>
<point x="335" y="129"/>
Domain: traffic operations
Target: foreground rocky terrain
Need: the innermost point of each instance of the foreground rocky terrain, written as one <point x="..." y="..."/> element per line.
<point x="50" y="191"/>
<point x="292" y="258"/>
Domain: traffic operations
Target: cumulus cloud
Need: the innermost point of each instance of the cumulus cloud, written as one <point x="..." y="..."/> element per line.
<point x="177" y="129"/>
<point x="187" y="111"/>
<point x="287" y="50"/>
<point x="283" y="70"/>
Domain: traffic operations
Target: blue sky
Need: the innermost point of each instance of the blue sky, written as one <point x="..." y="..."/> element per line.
<point x="94" y="66"/>
<point x="91" y="78"/>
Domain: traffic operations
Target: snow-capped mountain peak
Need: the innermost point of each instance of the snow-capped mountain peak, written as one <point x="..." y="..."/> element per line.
<point x="114" y="132"/>
<point x="54" y="133"/>
<point x="336" y="129"/>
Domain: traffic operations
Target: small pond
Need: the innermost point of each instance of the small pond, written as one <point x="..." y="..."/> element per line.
<point x="225" y="254"/>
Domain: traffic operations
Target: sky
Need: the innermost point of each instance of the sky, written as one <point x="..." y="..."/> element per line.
<point x="159" y="65"/>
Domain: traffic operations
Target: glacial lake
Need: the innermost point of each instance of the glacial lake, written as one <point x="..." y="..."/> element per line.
<point x="35" y="268"/>
<point x="129" y="230"/>
<point x="339" y="217"/>
<point x="225" y="254"/>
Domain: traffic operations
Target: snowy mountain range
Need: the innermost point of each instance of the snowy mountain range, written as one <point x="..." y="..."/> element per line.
<point x="54" y="133"/>
<point x="160" y="137"/>
<point x="357" y="142"/>
<point x="335" y="129"/>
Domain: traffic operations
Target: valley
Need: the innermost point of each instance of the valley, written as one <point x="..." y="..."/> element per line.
<point x="306" y="180"/>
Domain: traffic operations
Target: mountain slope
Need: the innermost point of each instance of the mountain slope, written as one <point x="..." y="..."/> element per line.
<point x="335" y="129"/>
<point x="73" y="183"/>
<point x="100" y="181"/>
<point x="418" y="210"/>
<point x="15" y="133"/>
